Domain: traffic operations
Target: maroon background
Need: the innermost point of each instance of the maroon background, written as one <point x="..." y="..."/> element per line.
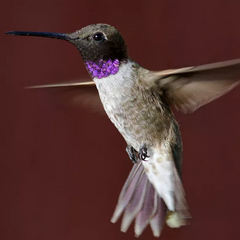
<point x="62" y="169"/>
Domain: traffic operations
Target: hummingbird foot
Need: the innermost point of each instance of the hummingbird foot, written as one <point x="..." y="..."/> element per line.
<point x="132" y="153"/>
<point x="142" y="154"/>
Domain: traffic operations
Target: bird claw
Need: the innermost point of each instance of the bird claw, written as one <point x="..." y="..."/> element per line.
<point x="142" y="154"/>
<point x="132" y="153"/>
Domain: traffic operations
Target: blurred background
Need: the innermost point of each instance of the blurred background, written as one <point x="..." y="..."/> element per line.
<point x="62" y="168"/>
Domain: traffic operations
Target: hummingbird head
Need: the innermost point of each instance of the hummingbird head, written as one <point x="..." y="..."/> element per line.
<point x="101" y="46"/>
<point x="99" y="41"/>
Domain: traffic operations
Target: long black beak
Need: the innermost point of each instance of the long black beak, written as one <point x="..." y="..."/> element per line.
<point x="62" y="36"/>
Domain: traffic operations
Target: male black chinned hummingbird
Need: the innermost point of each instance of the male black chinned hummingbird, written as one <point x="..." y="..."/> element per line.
<point x="138" y="103"/>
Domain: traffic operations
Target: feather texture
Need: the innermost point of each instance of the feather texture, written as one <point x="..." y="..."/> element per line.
<point x="140" y="201"/>
<point x="189" y="88"/>
<point x="162" y="173"/>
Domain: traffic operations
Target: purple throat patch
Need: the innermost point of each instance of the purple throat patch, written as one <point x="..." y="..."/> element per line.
<point x="103" y="68"/>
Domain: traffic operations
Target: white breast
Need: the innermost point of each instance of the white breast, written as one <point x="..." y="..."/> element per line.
<point x="116" y="94"/>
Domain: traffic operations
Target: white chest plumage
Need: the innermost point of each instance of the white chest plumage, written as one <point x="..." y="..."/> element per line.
<point x="115" y="92"/>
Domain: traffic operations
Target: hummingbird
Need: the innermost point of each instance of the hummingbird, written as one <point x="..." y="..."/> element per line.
<point x="139" y="103"/>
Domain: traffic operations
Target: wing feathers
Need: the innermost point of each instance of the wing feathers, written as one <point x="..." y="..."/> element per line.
<point x="68" y="84"/>
<point x="187" y="89"/>
<point x="76" y="94"/>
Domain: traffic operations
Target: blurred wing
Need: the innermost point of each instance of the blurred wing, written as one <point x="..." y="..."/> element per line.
<point x="187" y="89"/>
<point x="75" y="94"/>
<point x="68" y="84"/>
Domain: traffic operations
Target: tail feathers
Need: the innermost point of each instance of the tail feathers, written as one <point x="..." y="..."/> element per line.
<point x="140" y="201"/>
<point x="149" y="208"/>
<point x="158" y="220"/>
<point x="180" y="200"/>
<point x="136" y="203"/>
<point x="127" y="191"/>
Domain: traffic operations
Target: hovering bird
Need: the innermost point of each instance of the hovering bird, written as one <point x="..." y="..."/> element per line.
<point x="138" y="102"/>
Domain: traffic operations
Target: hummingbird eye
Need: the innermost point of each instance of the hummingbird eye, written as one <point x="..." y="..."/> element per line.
<point x="98" y="36"/>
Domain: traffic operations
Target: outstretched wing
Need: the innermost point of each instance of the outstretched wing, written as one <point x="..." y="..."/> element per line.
<point x="189" y="88"/>
<point x="75" y="94"/>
